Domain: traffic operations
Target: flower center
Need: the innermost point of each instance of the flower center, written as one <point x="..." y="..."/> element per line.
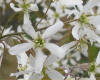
<point x="63" y="7"/>
<point x="84" y="19"/>
<point x="39" y="42"/>
<point x="25" y="7"/>
<point x="22" y="68"/>
<point x="56" y="15"/>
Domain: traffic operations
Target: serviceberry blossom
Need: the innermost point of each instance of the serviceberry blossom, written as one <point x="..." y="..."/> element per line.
<point x="50" y="39"/>
<point x="24" y="5"/>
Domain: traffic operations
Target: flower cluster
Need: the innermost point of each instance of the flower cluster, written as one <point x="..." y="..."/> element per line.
<point x="54" y="39"/>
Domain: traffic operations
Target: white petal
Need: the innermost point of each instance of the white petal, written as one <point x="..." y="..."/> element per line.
<point x="26" y="19"/>
<point x="71" y="2"/>
<point x="28" y="28"/>
<point x="98" y="59"/>
<point x="39" y="61"/>
<point x="84" y="50"/>
<point x="90" y="4"/>
<point x="73" y="62"/>
<point x="33" y="7"/>
<point x="92" y="77"/>
<point x="98" y="70"/>
<point x="55" y="50"/>
<point x="51" y="59"/>
<point x="20" y="48"/>
<point x="32" y="61"/>
<point x="92" y="35"/>
<point x="75" y="32"/>
<point x="22" y="59"/>
<point x="95" y="20"/>
<point x="15" y="8"/>
<point x="77" y="55"/>
<point x="35" y="77"/>
<point x="55" y="75"/>
<point x="66" y="47"/>
<point x="53" y="29"/>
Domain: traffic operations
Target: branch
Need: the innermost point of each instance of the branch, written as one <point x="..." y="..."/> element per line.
<point x="12" y="34"/>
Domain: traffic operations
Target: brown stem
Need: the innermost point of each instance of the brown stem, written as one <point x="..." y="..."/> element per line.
<point x="12" y="34"/>
<point x="44" y="14"/>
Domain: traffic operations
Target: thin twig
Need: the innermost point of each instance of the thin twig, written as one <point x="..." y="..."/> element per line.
<point x="7" y="23"/>
<point x="44" y="14"/>
<point x="12" y="34"/>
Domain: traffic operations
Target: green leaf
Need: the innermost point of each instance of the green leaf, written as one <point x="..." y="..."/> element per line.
<point x="92" y="53"/>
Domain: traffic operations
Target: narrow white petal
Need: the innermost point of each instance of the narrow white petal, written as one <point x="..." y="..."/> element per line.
<point x="15" y="8"/>
<point x="66" y="47"/>
<point x="54" y="75"/>
<point x="51" y="59"/>
<point x="22" y="59"/>
<point x="53" y="29"/>
<point x="20" y="48"/>
<point x="94" y="20"/>
<point x="92" y="35"/>
<point x="92" y="77"/>
<point x="28" y="28"/>
<point x="75" y="32"/>
<point x="33" y="7"/>
<point x="35" y="77"/>
<point x="71" y="2"/>
<point x="32" y="61"/>
<point x="39" y="61"/>
<point x="26" y="19"/>
<point x="55" y="50"/>
<point x="98" y="59"/>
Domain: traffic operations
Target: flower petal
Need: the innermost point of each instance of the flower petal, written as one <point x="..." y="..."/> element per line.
<point x="94" y="20"/>
<point x="34" y="7"/>
<point x="68" y="46"/>
<point x="51" y="59"/>
<point x="35" y="77"/>
<point x="15" y="8"/>
<point x="55" y="50"/>
<point x="91" y="35"/>
<point x="98" y="59"/>
<point x="20" y="48"/>
<point x="53" y="29"/>
<point x="92" y="77"/>
<point x="54" y="75"/>
<point x="75" y="31"/>
<point x="39" y="61"/>
<point x="28" y="28"/>
<point x="22" y="59"/>
<point x="26" y="19"/>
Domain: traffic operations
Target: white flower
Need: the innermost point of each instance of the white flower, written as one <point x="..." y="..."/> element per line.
<point x="86" y="27"/>
<point x="49" y="70"/>
<point x="40" y="41"/>
<point x="74" y="50"/>
<point x="24" y="6"/>
<point x="54" y="75"/>
<point x="67" y="3"/>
